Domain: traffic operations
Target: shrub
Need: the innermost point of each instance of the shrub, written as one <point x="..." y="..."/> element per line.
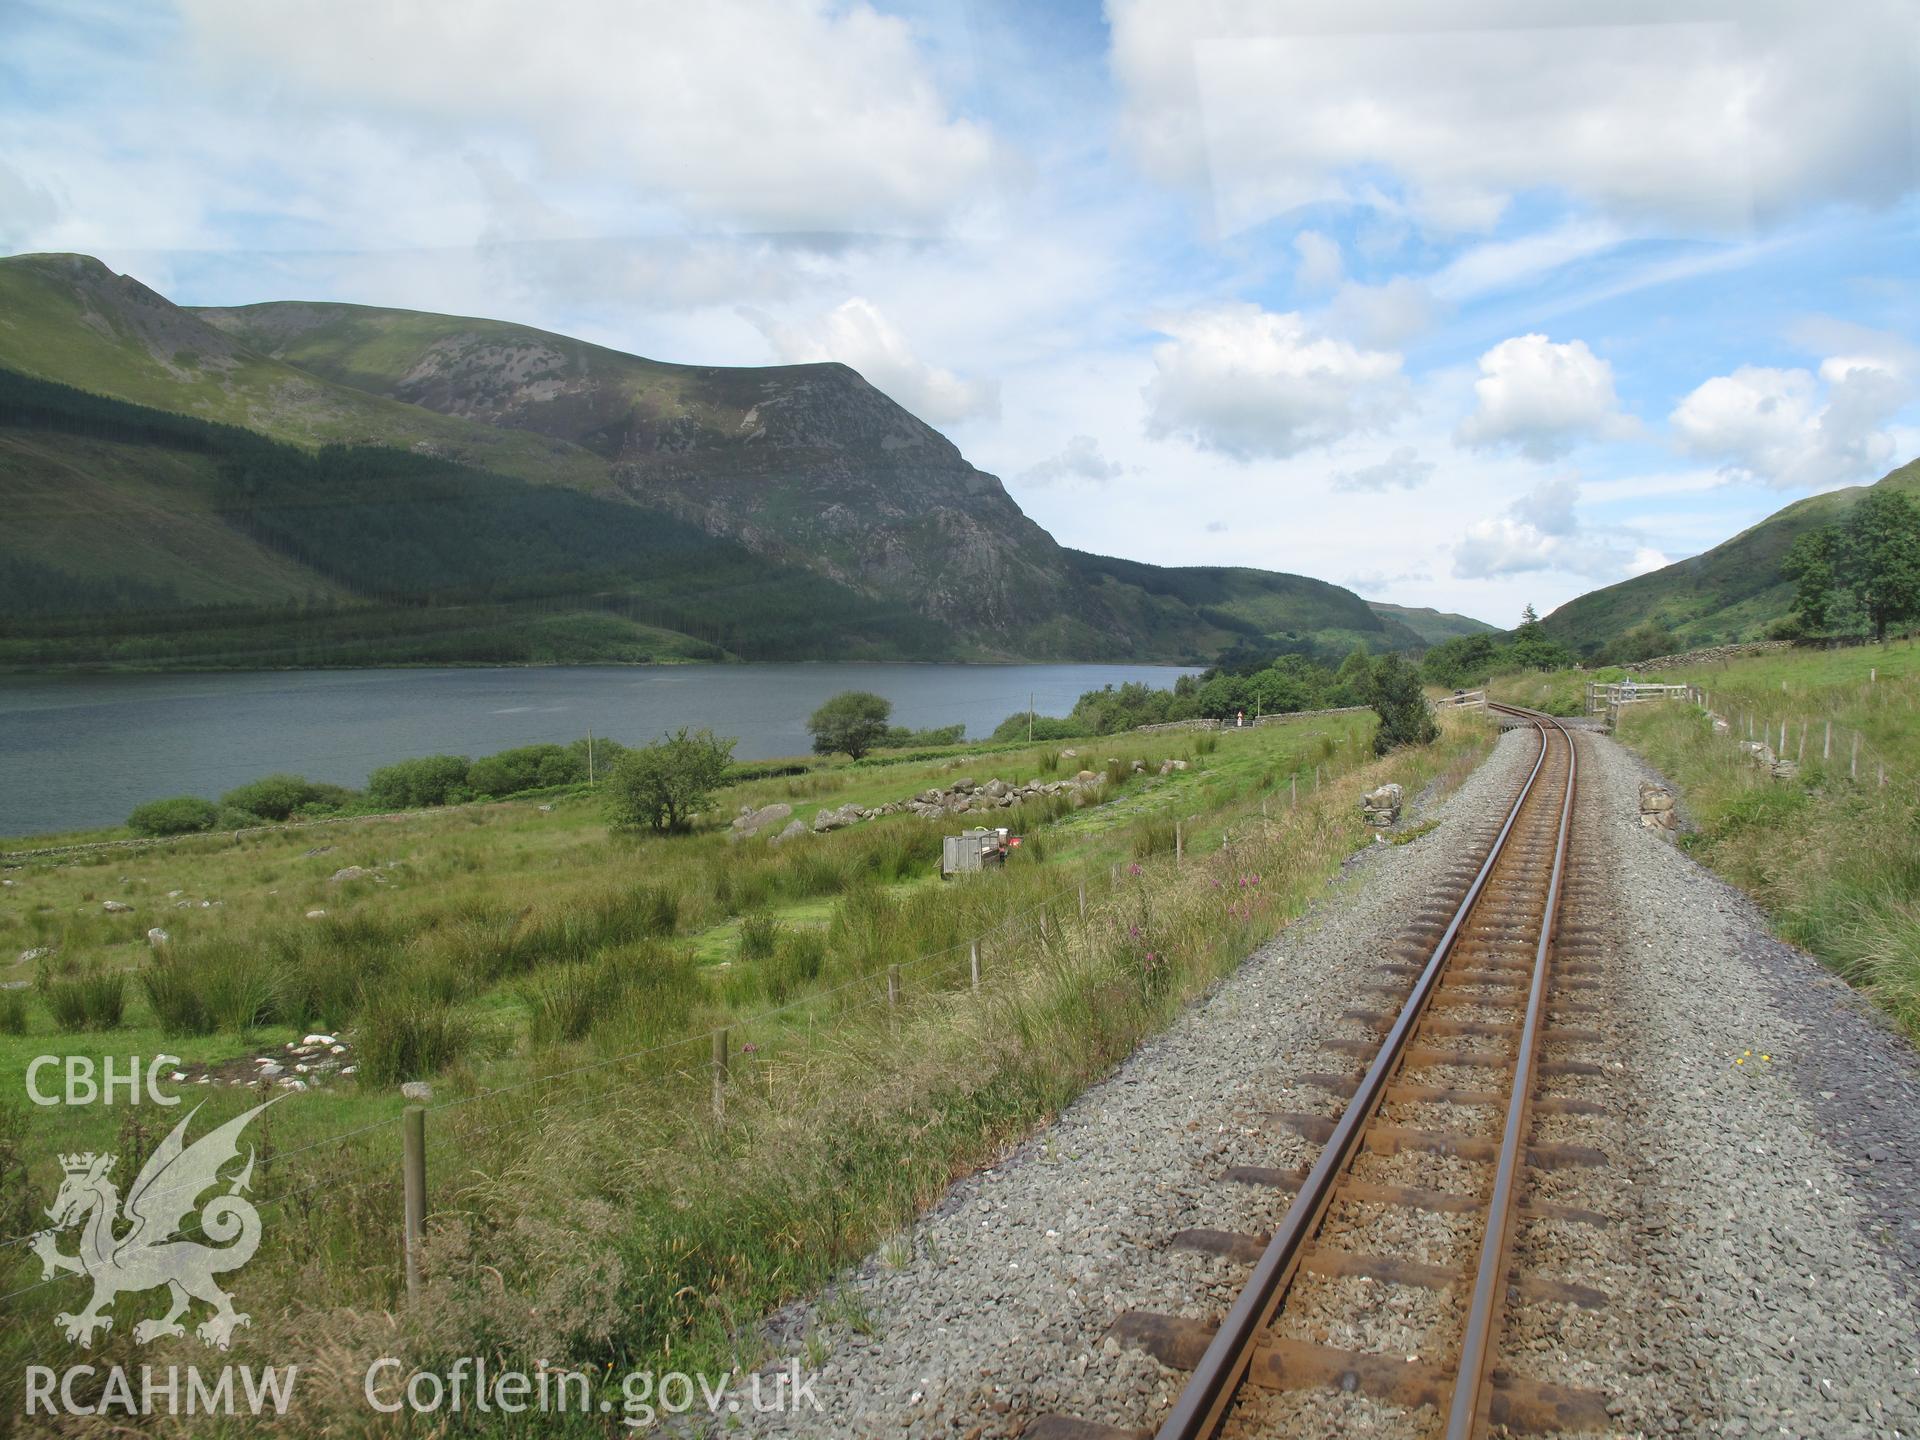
<point x="899" y="737"/>
<point x="663" y="785"/>
<point x="1044" y="727"/>
<point x="854" y="721"/>
<point x="1048" y="762"/>
<point x="1405" y="716"/>
<point x="417" y="784"/>
<point x="181" y="815"/>
<point x="406" y="1037"/>
<point x="531" y="767"/>
<point x="273" y="797"/>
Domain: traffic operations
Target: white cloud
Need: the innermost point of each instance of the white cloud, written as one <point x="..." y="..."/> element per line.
<point x="1402" y="470"/>
<point x="1542" y="398"/>
<point x="856" y="333"/>
<point x="1384" y="315"/>
<point x="1645" y="560"/>
<point x="1708" y="119"/>
<point x="1321" y="266"/>
<point x="1791" y="429"/>
<point x="1541" y="531"/>
<point x="1250" y="383"/>
<point x="1080" y="461"/>
<point x="760" y="113"/>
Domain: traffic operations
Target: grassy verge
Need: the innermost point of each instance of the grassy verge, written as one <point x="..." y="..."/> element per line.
<point x="1833" y="859"/>
<point x="586" y="1207"/>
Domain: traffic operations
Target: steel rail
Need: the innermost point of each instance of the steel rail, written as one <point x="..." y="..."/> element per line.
<point x="1203" y="1403"/>
<point x="1478" y="1346"/>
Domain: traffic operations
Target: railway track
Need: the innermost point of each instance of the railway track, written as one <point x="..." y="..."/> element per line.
<point x="1391" y="1276"/>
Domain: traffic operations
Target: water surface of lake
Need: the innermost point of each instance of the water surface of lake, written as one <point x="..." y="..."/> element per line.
<point x="83" y="750"/>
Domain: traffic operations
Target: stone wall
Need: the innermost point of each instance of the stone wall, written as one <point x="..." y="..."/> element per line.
<point x="1710" y="655"/>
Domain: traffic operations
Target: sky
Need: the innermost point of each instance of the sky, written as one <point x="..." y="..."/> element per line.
<point x="1471" y="306"/>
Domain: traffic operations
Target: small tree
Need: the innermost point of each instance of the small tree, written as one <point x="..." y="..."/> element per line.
<point x="1876" y="555"/>
<point x="853" y="721"/>
<point x="1405" y="716"/>
<point x="663" y="785"/>
<point x="1809" y="564"/>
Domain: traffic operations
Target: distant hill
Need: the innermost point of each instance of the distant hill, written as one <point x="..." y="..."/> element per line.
<point x="797" y="473"/>
<point x="1729" y="593"/>
<point x="1432" y="626"/>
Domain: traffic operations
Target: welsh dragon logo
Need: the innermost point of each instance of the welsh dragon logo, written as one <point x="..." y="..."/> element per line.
<point x="138" y="1246"/>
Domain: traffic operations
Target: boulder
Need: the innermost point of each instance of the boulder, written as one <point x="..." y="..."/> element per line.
<point x="116" y="907"/>
<point x="752" y="822"/>
<point x="997" y="788"/>
<point x="794" y="828"/>
<point x="1382" y="806"/>
<point x="961" y="787"/>
<point x="418" y="1091"/>
<point x="316" y="914"/>
<point x="1086" y="777"/>
<point x="157" y="937"/>
<point x="350" y="872"/>
<point x="1069" y="754"/>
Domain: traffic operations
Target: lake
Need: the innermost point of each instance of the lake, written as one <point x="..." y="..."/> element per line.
<point x="82" y="750"/>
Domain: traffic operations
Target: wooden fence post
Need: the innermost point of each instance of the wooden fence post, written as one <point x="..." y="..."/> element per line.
<point x="1083" y="902"/>
<point x="413" y="1171"/>
<point x="1800" y="755"/>
<point x="1826" y="742"/>
<point x="721" y="1055"/>
<point x="1179" y="846"/>
<point x="1293" y="791"/>
<point x="893" y="987"/>
<point x="973" y="963"/>
<point x="1853" y="764"/>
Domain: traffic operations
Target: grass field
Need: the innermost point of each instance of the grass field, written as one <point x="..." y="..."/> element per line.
<point x="560" y="986"/>
<point x="1833" y="854"/>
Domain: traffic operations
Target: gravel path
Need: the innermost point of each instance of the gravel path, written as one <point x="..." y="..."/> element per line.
<point x="1764" y="1265"/>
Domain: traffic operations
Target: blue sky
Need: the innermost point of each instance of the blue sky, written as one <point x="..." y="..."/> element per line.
<point x="1467" y="312"/>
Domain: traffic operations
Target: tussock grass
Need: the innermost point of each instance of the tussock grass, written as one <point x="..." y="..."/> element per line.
<point x="91" y="997"/>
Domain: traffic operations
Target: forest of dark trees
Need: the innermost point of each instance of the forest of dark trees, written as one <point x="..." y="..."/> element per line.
<point x="444" y="561"/>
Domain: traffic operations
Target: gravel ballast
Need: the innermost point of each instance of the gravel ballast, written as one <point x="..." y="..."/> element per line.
<point x="1763" y="1262"/>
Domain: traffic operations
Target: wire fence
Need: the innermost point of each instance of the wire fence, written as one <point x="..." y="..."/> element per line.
<point x="1800" y="738"/>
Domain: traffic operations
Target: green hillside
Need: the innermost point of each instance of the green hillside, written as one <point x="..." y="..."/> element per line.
<point x="71" y="319"/>
<point x="1729" y="593"/>
<point x="763" y="477"/>
<point x="1432" y="626"/>
<point x="146" y="537"/>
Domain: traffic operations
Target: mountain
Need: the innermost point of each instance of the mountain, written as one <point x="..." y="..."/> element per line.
<point x="1432" y="626"/>
<point x="790" y="504"/>
<point x="1729" y="593"/>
